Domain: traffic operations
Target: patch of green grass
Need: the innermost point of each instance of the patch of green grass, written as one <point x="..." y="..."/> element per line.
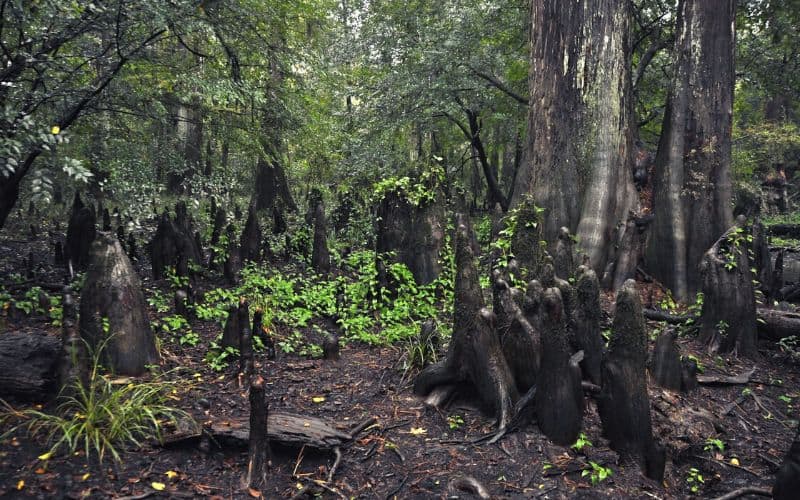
<point x="101" y="418"/>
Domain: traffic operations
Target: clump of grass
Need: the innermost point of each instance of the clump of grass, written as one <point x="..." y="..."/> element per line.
<point x="100" y="417"/>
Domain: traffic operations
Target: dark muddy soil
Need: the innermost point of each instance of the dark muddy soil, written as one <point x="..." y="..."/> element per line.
<point x="728" y="435"/>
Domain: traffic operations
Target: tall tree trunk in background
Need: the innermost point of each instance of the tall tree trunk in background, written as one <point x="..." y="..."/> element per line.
<point x="189" y="137"/>
<point x="692" y="181"/>
<point x="580" y="139"/>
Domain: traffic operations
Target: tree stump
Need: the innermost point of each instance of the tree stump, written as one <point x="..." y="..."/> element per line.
<point x="320" y="255"/>
<point x="559" y="397"/>
<point x="73" y="364"/>
<point x="623" y="402"/>
<point x="728" y="318"/>
<point x="263" y="333"/>
<point x="233" y="262"/>
<point x="526" y="238"/>
<point x="330" y="347"/>
<point x="216" y="233"/>
<point x="28" y="364"/>
<point x="230" y="333"/>
<point x="414" y="232"/>
<point x="586" y="318"/>
<point x="665" y="363"/>
<point x="113" y="312"/>
<point x="521" y="343"/>
<point x="258" y="447"/>
<point x="245" y="341"/>
<point x="787" y="480"/>
<point x="563" y="261"/>
<point x="80" y="234"/>
<point x="250" y="244"/>
<point x="474" y="357"/>
<point x="762" y="258"/>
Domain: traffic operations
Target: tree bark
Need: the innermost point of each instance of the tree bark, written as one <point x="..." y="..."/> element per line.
<point x="787" y="480"/>
<point x="692" y="180"/>
<point x="113" y="312"/>
<point x="623" y="402"/>
<point x="728" y="318"/>
<point x="475" y="356"/>
<point x="580" y="139"/>
<point x="258" y="449"/>
<point x="28" y="364"/>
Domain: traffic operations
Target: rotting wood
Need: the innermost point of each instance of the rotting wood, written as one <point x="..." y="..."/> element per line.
<point x="740" y="379"/>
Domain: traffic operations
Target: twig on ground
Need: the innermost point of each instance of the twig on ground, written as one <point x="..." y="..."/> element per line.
<point x="747" y="490"/>
<point x="396" y="489"/>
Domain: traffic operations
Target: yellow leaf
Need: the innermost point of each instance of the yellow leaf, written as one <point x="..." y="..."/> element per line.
<point x="734" y="461"/>
<point x="171" y="474"/>
<point x="46" y="456"/>
<point x="55" y="130"/>
<point x="299" y="486"/>
<point x="20" y="484"/>
<point x="85" y="476"/>
<point x="158" y="486"/>
<point x="417" y="431"/>
<point x="318" y="399"/>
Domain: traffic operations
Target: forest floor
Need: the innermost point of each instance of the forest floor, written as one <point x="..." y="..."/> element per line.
<point x="719" y="437"/>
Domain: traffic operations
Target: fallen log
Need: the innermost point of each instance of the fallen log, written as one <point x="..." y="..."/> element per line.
<point x="740" y="379"/>
<point x="28" y="363"/>
<point x="776" y="325"/>
<point x="289" y="429"/>
<point x="772" y="324"/>
<point x="790" y="230"/>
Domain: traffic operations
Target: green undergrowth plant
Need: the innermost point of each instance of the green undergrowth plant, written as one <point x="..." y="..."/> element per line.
<point x="102" y="417"/>
<point x="596" y="472"/>
<point x="364" y="312"/>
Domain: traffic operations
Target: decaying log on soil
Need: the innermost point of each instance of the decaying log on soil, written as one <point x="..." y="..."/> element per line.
<point x="320" y="255"/>
<point x="282" y="427"/>
<point x="80" y="234"/>
<point x="587" y="335"/>
<point x="113" y="312"/>
<point x="474" y="356"/>
<point x="414" y="233"/>
<point x="250" y="243"/>
<point x="623" y="402"/>
<point x="788" y="230"/>
<point x="258" y="446"/>
<point x="787" y="480"/>
<point x="28" y="364"/>
<point x="559" y="400"/>
<point x="776" y="325"/>
<point x="728" y="319"/>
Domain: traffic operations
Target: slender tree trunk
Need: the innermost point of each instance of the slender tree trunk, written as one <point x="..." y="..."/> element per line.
<point x="580" y="139"/>
<point x="692" y="181"/>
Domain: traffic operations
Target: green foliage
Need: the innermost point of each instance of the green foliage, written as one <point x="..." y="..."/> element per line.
<point x="714" y="444"/>
<point x="103" y="416"/>
<point x="695" y="480"/>
<point x="218" y="358"/>
<point x="736" y="242"/>
<point x="596" y="472"/>
<point x="581" y="443"/>
<point x="455" y="422"/>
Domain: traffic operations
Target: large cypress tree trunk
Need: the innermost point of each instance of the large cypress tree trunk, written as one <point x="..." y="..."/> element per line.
<point x="580" y="140"/>
<point x="692" y="181"/>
